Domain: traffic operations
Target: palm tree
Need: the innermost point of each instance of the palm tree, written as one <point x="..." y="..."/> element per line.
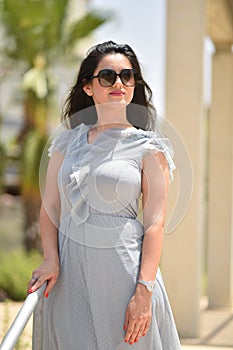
<point x="36" y="33"/>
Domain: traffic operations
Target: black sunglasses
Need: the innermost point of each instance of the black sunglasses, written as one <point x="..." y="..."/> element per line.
<point x="107" y="77"/>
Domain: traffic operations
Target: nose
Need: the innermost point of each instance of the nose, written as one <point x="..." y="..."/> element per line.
<point x="118" y="81"/>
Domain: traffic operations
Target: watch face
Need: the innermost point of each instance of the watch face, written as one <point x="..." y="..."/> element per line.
<point x="151" y="286"/>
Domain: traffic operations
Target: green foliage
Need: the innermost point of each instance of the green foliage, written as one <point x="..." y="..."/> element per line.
<point x="34" y="145"/>
<point x="15" y="272"/>
<point x="85" y="25"/>
<point x="34" y="26"/>
<point x="32" y="29"/>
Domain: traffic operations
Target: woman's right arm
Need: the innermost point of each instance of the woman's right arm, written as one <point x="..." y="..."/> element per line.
<point x="49" y="223"/>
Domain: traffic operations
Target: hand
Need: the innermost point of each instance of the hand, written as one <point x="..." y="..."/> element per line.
<point x="138" y="315"/>
<point x="47" y="271"/>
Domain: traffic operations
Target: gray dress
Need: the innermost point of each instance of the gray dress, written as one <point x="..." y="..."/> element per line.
<point x="100" y="240"/>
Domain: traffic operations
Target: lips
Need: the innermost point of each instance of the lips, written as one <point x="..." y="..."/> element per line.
<point x="117" y="93"/>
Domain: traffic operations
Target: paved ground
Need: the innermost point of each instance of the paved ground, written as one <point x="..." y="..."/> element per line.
<point x="216" y="331"/>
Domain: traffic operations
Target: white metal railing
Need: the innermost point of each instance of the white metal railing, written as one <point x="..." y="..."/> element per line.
<point x="21" y="319"/>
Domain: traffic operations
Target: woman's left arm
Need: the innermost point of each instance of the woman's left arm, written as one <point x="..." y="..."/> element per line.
<point x="155" y="178"/>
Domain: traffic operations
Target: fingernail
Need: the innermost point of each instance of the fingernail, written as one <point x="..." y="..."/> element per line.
<point x="136" y="340"/>
<point x="126" y="341"/>
<point x="30" y="290"/>
<point x="143" y="334"/>
<point x="46" y="295"/>
<point x="124" y="328"/>
<point x="131" y="342"/>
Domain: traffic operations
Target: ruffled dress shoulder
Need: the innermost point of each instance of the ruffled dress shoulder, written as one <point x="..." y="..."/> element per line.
<point x="63" y="137"/>
<point x="151" y="141"/>
<point x="143" y="141"/>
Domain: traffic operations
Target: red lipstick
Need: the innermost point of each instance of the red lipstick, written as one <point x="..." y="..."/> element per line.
<point x="117" y="93"/>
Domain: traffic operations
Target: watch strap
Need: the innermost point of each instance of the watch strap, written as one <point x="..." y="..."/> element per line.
<point x="150" y="285"/>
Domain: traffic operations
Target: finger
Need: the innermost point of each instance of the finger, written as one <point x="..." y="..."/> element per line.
<point x="49" y="286"/>
<point x="129" y="331"/>
<point x="34" y="278"/>
<point x="138" y="336"/>
<point x="37" y="284"/>
<point x="126" y="320"/>
<point x="31" y="283"/>
<point x="147" y="327"/>
<point x="134" y="334"/>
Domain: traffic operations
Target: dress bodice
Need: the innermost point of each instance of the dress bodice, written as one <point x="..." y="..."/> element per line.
<point x="105" y="176"/>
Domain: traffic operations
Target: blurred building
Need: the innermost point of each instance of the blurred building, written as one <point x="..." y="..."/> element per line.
<point x="208" y="134"/>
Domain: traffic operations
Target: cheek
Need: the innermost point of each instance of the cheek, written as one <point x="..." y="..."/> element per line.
<point x="99" y="95"/>
<point x="130" y="94"/>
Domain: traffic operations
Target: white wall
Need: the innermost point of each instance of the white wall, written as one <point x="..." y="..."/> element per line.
<point x="141" y="24"/>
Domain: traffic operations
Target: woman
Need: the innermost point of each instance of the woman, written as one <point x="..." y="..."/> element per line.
<point x="104" y="289"/>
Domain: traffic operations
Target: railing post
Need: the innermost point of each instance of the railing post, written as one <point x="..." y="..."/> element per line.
<point x="21" y="319"/>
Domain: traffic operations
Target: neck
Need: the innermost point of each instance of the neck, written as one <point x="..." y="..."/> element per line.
<point x="111" y="115"/>
<point x="100" y="127"/>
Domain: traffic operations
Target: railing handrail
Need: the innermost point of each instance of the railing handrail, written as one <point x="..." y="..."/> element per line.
<point x="21" y="319"/>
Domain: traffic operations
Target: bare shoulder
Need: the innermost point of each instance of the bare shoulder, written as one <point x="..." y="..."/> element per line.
<point x="55" y="162"/>
<point x="154" y="158"/>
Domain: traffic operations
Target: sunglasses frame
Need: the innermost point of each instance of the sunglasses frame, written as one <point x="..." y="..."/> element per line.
<point x="135" y="75"/>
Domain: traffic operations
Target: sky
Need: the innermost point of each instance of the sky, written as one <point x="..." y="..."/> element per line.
<point x="141" y="24"/>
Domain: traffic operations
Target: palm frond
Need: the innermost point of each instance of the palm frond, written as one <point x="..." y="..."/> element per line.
<point x="55" y="25"/>
<point x="83" y="27"/>
<point x="23" y="23"/>
<point x="33" y="26"/>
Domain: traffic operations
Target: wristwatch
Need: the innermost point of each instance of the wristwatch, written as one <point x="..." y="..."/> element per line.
<point x="150" y="285"/>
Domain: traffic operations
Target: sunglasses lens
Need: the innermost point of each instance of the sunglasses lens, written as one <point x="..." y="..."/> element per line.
<point x="127" y="76"/>
<point x="107" y="77"/>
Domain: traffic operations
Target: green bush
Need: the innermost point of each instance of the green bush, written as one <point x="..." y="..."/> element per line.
<point x="15" y="272"/>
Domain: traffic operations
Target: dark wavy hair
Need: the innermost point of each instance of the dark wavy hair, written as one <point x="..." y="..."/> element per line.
<point x="75" y="107"/>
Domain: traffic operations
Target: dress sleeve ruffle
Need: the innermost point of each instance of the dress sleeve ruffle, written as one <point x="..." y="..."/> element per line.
<point x="60" y="141"/>
<point x="160" y="144"/>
